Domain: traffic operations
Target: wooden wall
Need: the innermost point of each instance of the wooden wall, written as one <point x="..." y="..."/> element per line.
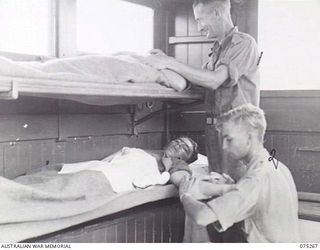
<point x="38" y="131"/>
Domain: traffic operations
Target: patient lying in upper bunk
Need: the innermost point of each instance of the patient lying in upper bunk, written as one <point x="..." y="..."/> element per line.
<point x="118" y="68"/>
<point x="132" y="168"/>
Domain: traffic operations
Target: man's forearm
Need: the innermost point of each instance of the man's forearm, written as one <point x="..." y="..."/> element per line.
<point x="204" y="78"/>
<point x="198" y="211"/>
<point x="211" y="189"/>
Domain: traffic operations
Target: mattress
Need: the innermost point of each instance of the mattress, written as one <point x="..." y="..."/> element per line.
<point x="21" y="231"/>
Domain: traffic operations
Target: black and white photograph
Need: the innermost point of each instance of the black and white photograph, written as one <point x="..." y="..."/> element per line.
<point x="159" y="121"/>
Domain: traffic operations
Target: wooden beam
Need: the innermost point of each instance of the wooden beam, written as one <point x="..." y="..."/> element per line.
<point x="290" y="93"/>
<point x="148" y="3"/>
<point x="189" y="39"/>
<point x="66" y="28"/>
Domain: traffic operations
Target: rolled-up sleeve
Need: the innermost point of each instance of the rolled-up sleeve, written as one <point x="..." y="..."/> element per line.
<point x="236" y="205"/>
<point x="241" y="58"/>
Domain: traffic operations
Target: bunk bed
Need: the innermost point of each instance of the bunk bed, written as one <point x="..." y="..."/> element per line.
<point x="155" y="214"/>
<point x="105" y="94"/>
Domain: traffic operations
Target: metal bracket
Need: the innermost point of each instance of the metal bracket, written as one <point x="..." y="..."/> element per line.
<point x="134" y="131"/>
<point x="11" y="94"/>
<point x="171" y="108"/>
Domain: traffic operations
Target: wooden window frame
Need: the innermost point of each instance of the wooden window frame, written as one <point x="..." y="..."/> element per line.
<point x="62" y="32"/>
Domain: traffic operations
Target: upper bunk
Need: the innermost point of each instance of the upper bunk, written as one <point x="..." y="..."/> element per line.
<point x="92" y="93"/>
<point x="93" y="79"/>
<point x="63" y="44"/>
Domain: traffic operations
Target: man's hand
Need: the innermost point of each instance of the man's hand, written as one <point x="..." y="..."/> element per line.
<point x="157" y="52"/>
<point x="158" y="61"/>
<point x="192" y="188"/>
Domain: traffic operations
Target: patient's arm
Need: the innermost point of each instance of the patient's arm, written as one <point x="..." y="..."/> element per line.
<point x="173" y="80"/>
<point x="177" y="168"/>
<point x="177" y="177"/>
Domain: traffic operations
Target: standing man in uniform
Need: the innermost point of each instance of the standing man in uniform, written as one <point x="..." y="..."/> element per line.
<point x="230" y="76"/>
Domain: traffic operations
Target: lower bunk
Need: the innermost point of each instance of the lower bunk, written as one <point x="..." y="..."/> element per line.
<point x="161" y="221"/>
<point x="155" y="222"/>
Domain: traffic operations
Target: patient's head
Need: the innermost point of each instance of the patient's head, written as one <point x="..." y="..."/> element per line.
<point x="183" y="148"/>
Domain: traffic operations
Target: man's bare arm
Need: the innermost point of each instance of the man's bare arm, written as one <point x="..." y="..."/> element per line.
<point x="198" y="211"/>
<point x="205" y="78"/>
<point x="213" y="189"/>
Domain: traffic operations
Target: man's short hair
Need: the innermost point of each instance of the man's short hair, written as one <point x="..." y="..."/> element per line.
<point x="219" y="4"/>
<point x="183" y="148"/>
<point x="252" y="116"/>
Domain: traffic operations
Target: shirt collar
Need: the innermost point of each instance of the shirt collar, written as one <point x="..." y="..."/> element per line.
<point x="217" y="44"/>
<point x="229" y="36"/>
<point x="260" y="156"/>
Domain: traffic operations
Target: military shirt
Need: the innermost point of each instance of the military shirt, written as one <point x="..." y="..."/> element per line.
<point x="239" y="52"/>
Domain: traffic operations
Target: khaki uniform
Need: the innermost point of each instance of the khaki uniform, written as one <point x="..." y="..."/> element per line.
<point x="239" y="52"/>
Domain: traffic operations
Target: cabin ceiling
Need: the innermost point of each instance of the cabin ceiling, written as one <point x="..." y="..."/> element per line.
<point x="159" y="3"/>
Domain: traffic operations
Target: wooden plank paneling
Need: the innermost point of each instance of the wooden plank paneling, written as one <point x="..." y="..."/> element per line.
<point x="156" y="124"/>
<point x="112" y="234"/>
<point x="140" y="230"/>
<point x="99" y="147"/>
<point x="268" y="143"/>
<point x="192" y="24"/>
<point x="305" y="164"/>
<point x="29" y="105"/>
<point x="130" y="233"/>
<point x="93" y="125"/>
<point x="2" y="160"/>
<point x="302" y="116"/>
<point x="121" y="232"/>
<point x="149" y="225"/>
<point x="281" y="145"/>
<point x="28" y="127"/>
<point x="195" y="55"/>
<point x="133" y="226"/>
<point x="187" y="122"/>
<point x="27" y="157"/>
<point x="181" y="53"/>
<point x="71" y="107"/>
<point x="166" y="237"/>
<point x="158" y="228"/>
<point x="181" y="21"/>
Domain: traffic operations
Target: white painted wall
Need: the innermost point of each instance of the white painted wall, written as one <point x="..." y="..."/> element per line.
<point x="309" y="231"/>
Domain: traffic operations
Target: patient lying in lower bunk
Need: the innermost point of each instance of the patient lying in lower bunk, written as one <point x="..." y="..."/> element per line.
<point x="132" y="168"/>
<point x="86" y="186"/>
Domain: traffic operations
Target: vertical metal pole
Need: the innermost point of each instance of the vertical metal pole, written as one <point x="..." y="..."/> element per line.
<point x="167" y="123"/>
